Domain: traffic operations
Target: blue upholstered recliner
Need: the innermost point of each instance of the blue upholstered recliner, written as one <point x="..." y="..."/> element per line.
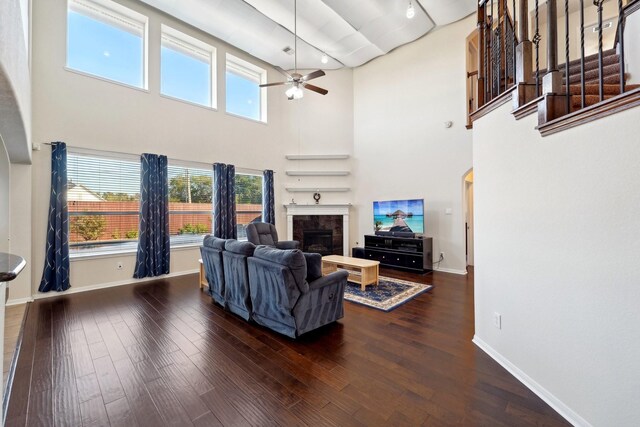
<point x="211" y="251"/>
<point x="236" y="277"/>
<point x="289" y="294"/>
<point x="263" y="233"/>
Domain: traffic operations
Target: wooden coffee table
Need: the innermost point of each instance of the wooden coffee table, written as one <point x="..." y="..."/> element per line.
<point x="368" y="269"/>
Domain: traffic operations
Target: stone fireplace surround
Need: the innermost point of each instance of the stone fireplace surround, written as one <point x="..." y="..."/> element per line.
<point x="320" y="217"/>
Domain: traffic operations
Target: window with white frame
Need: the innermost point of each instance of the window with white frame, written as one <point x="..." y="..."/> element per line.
<point x="107" y="40"/>
<point x="103" y="197"/>
<point x="187" y="68"/>
<point x="248" y="201"/>
<point x="245" y="97"/>
<point x="190" y="202"/>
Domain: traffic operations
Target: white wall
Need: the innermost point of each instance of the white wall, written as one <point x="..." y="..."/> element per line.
<point x="5" y="198"/>
<point x="402" y="148"/>
<point x="91" y="113"/>
<point x="15" y="90"/>
<point x="20" y="211"/>
<point x="632" y="47"/>
<point x="320" y="124"/>
<point x="556" y="254"/>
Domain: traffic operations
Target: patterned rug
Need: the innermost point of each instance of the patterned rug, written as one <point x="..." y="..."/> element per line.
<point x="389" y="294"/>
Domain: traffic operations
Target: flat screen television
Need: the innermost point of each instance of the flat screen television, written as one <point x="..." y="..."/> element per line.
<point x="405" y="216"/>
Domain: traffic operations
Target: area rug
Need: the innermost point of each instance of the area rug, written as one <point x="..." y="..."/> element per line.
<point x="389" y="294"/>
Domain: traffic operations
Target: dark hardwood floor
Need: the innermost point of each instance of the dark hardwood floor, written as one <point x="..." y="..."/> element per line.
<point x="160" y="353"/>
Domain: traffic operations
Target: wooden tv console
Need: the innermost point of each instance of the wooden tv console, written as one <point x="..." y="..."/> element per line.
<point x="400" y="252"/>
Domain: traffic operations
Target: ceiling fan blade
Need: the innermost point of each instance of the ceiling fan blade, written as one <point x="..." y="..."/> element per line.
<point x="274" y="84"/>
<point x="315" y="88"/>
<point x="314" y="75"/>
<point x="283" y="72"/>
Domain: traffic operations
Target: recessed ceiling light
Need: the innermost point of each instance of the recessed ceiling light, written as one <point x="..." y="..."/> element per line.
<point x="324" y="58"/>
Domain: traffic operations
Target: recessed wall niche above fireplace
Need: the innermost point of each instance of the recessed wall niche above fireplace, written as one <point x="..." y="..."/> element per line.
<point x="322" y="229"/>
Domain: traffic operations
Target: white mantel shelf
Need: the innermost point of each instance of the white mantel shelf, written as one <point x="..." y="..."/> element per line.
<point x="320" y="209"/>
<point x="319" y="190"/>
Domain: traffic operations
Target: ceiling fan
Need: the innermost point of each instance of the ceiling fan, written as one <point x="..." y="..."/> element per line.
<point x="296" y="80"/>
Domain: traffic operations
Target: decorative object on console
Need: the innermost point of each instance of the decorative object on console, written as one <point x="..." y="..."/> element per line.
<point x="316" y="197"/>
<point x="388" y="295"/>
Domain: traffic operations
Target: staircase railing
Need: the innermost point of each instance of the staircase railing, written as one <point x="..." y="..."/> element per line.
<point x="509" y="54"/>
<point x="497" y="42"/>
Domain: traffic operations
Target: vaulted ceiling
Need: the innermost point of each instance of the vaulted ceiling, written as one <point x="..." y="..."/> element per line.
<point x="350" y="32"/>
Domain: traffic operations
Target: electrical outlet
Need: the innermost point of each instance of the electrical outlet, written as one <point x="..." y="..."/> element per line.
<point x="497" y="320"/>
<point x="119" y="266"/>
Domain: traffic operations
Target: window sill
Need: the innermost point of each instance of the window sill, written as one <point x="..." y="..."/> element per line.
<point x="125" y="252"/>
<point x="105" y="79"/>
<point x="261" y="122"/>
<point x="184" y="101"/>
<point x="105" y="254"/>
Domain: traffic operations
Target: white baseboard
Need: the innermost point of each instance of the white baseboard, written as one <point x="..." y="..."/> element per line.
<point x="451" y="270"/>
<point x="532" y="385"/>
<point x="18" y="301"/>
<point x="131" y="281"/>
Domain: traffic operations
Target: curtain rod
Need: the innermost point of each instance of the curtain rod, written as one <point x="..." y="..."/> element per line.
<point x="131" y="154"/>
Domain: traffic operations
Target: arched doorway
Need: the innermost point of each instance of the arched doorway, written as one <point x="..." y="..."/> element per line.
<point x="468" y="215"/>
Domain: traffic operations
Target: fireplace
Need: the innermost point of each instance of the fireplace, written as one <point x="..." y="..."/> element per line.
<point x="333" y="219"/>
<point x="318" y="241"/>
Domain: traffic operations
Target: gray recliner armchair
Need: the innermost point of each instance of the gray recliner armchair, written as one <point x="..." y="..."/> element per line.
<point x="236" y="277"/>
<point x="211" y="251"/>
<point x="289" y="294"/>
<point x="263" y="233"/>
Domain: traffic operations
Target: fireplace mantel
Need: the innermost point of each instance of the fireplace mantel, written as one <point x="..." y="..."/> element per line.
<point x="320" y="209"/>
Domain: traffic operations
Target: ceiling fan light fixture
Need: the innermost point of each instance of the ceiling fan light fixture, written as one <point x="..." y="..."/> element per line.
<point x="294" y="92"/>
<point x="324" y="59"/>
<point x="411" y="12"/>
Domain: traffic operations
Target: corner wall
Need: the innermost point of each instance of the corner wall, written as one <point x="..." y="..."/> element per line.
<point x="402" y="148"/>
<point x="556" y="254"/>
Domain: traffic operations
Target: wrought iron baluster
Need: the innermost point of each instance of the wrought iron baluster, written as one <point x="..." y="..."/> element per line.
<point x="505" y="23"/>
<point x="621" y="44"/>
<point x="513" y="43"/>
<point x="493" y="49"/>
<point x="583" y="95"/>
<point x="566" y="54"/>
<point x="536" y="41"/>
<point x="486" y="54"/>
<point x="499" y="43"/>
<point x="598" y="4"/>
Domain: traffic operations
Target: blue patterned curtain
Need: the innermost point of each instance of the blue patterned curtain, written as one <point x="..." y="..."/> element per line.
<point x="268" y="199"/>
<point x="224" y="201"/>
<point x="153" y="254"/>
<point x="55" y="276"/>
